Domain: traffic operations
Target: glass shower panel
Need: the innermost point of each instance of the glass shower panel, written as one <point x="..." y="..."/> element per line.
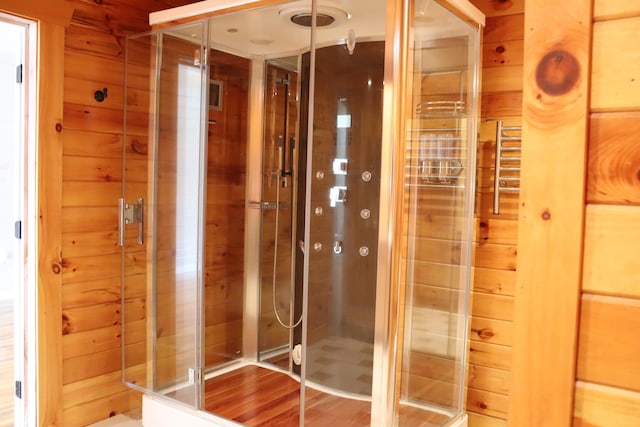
<point x="439" y="189"/>
<point x="226" y="180"/>
<point x="170" y="198"/>
<point x="345" y="189"/>
<point x="254" y="55"/>
<point x="137" y="299"/>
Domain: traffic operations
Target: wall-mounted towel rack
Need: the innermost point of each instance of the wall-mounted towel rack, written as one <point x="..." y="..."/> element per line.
<point x="507" y="173"/>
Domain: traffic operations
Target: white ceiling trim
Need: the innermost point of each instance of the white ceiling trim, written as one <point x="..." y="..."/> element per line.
<point x="207" y="6"/>
<point x="194" y="9"/>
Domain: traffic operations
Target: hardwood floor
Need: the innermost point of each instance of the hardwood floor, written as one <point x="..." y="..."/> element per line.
<point x="280" y="361"/>
<point x="413" y="417"/>
<point x="6" y="363"/>
<point x="257" y="396"/>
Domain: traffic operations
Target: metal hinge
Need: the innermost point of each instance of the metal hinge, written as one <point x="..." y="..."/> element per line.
<point x="195" y="376"/>
<point x="131" y="213"/>
<point x="19" y="73"/>
<point x="19" y="389"/>
<point x="17" y="229"/>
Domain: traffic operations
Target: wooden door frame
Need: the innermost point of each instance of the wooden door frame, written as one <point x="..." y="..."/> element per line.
<point x="51" y="17"/>
<point x="552" y="209"/>
<point x="21" y="209"/>
<point x="49" y="157"/>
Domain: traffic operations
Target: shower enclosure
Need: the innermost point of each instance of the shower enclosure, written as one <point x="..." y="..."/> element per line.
<point x="297" y="208"/>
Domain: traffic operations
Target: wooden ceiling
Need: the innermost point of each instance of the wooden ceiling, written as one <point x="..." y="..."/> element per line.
<point x="119" y="17"/>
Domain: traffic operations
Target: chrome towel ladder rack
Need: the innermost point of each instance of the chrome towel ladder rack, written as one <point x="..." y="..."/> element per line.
<point x="507" y="163"/>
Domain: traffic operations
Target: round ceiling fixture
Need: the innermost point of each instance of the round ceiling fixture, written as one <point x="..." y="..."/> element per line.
<point x="304" y="19"/>
<point x="326" y="16"/>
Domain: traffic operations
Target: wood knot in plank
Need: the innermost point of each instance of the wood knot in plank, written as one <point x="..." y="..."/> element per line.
<point x="56" y="268"/>
<point x="58" y="127"/>
<point x="502" y="5"/>
<point x="485" y="333"/>
<point x="546" y="215"/>
<point x="66" y="325"/>
<point x="138" y="146"/>
<point x="557" y="72"/>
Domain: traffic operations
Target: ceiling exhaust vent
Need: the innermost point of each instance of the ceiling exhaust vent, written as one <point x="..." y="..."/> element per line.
<point x="304" y="19"/>
<point x="326" y="16"/>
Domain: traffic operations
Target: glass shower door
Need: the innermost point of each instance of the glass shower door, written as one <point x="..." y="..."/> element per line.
<point x="343" y="232"/>
<point x="162" y="210"/>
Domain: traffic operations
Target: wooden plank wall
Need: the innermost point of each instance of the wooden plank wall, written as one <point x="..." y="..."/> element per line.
<point x="608" y="366"/>
<point x="91" y="185"/>
<point x="491" y="334"/>
<point x="225" y="211"/>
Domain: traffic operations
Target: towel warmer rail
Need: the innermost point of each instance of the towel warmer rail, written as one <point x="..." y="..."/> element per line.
<point x="507" y="162"/>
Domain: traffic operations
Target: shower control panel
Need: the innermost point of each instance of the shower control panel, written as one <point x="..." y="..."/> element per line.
<point x="340" y="166"/>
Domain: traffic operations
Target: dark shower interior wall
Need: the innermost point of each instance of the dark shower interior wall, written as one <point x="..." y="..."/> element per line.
<point x="342" y="287"/>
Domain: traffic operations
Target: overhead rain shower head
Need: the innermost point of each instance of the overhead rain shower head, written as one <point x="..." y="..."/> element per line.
<point x="326" y="16"/>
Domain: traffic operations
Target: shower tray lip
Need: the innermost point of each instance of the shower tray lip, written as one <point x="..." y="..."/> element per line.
<point x="433" y="408"/>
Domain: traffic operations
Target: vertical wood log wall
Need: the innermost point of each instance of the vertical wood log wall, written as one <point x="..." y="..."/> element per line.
<point x="608" y="365"/>
<point x="49" y="204"/>
<point x="555" y="107"/>
<point x="491" y="334"/>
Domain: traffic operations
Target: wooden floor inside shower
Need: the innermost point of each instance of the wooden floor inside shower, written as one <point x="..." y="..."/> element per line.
<point x="257" y="396"/>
